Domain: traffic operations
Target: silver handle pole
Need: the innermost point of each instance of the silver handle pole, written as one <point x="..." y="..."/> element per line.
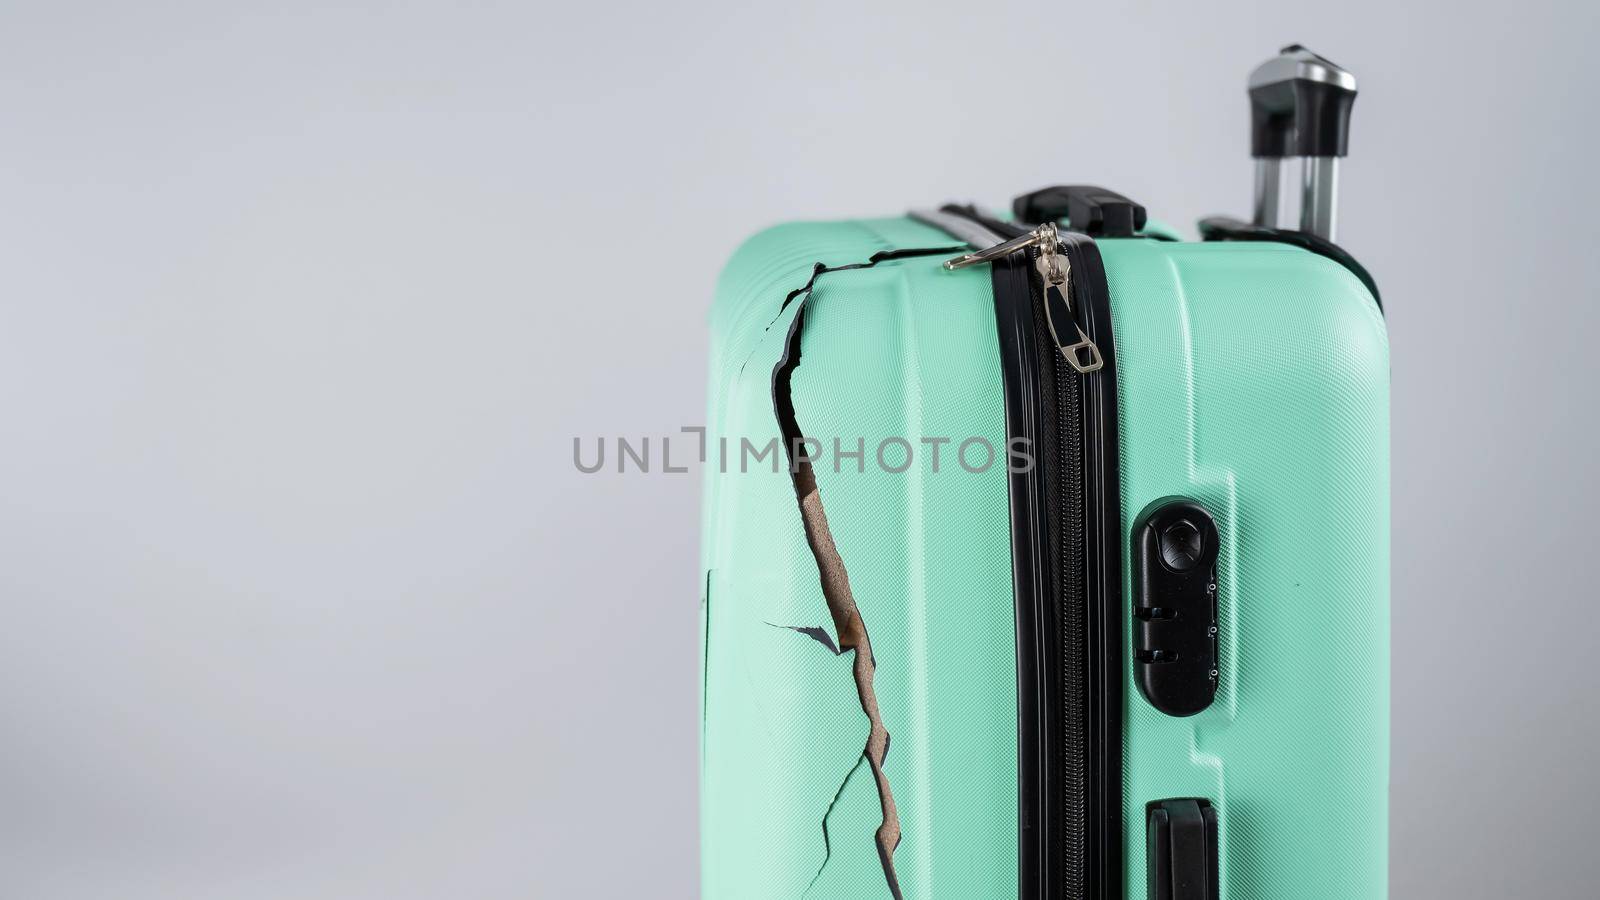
<point x="1319" y="198"/>
<point x="1268" y="178"/>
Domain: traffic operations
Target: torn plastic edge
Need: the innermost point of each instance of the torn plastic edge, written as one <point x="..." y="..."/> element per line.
<point x="815" y="632"/>
<point x="705" y="657"/>
<point x="820" y="269"/>
<point x="827" y="839"/>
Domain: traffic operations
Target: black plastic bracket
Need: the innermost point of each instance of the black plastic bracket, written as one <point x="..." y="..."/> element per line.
<point x="1095" y="211"/>
<point x="1300" y="106"/>
<point x="1181" y="850"/>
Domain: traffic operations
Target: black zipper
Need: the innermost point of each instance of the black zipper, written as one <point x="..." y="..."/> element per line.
<point x="1065" y="528"/>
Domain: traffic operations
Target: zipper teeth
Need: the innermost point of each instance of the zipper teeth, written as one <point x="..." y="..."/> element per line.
<point x="1072" y="631"/>
<point x="1063" y="396"/>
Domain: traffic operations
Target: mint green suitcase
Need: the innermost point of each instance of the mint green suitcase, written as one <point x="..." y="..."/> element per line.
<point x="1047" y="556"/>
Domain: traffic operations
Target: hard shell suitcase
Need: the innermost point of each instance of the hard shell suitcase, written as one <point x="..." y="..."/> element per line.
<point x="1047" y="556"/>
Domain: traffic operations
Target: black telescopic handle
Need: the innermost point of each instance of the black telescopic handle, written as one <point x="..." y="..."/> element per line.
<point x="1300" y="106"/>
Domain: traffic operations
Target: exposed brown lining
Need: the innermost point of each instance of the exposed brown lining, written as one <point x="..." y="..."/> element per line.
<point x="847" y="621"/>
<point x="852" y="631"/>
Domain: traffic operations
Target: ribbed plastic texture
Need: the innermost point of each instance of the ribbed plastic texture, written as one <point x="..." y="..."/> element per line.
<point x="902" y="350"/>
<point x="1254" y="378"/>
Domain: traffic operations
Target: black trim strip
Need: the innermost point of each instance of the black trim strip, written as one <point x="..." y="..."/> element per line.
<point x="1066" y="571"/>
<point x="1103" y="574"/>
<point x="1032" y="573"/>
<point x="1223" y="228"/>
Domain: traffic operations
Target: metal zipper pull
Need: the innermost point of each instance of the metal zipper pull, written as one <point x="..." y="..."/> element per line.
<point x="1055" y="272"/>
<point x="1005" y="248"/>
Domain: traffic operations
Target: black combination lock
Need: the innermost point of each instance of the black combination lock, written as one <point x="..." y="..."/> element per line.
<point x="1175" y="606"/>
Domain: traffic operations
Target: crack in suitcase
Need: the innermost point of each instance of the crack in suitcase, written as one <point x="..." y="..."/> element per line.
<point x="848" y="623"/>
